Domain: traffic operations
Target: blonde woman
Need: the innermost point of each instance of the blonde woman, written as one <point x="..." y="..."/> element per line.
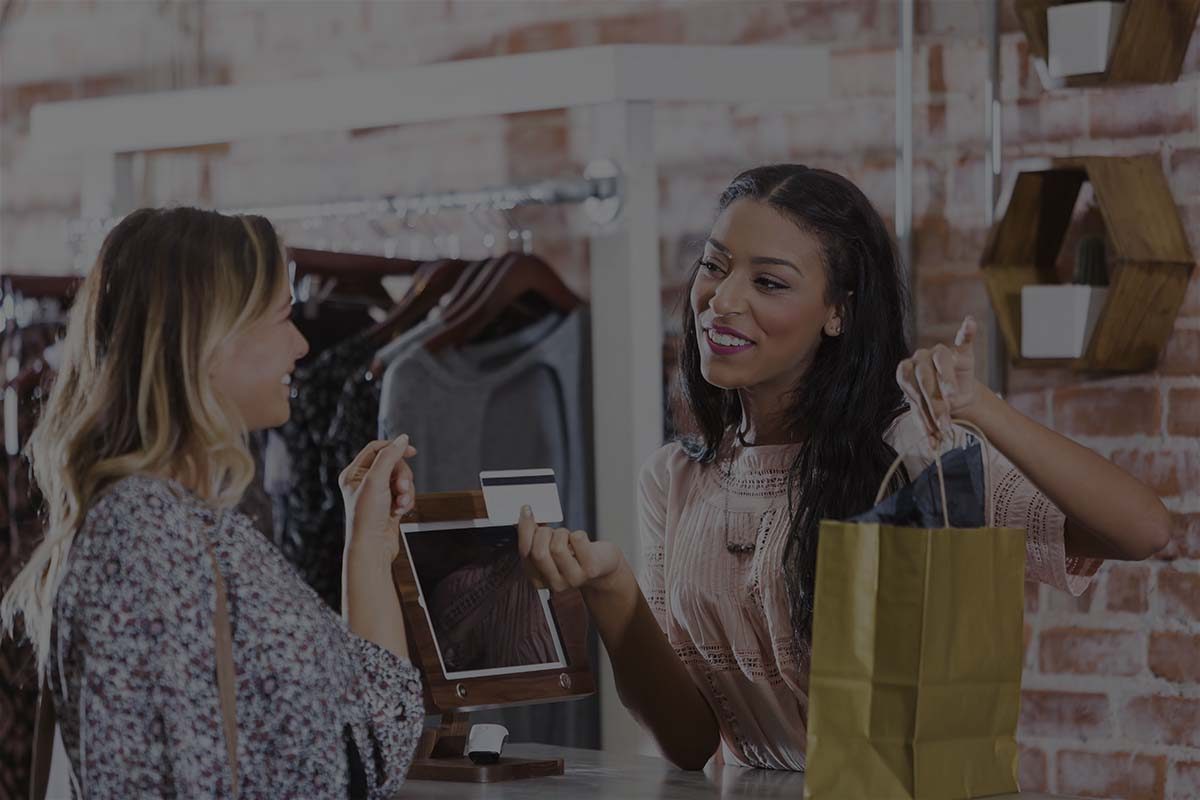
<point x="179" y="344"/>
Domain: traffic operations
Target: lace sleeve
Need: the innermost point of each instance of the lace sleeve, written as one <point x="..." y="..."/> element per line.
<point x="653" y="485"/>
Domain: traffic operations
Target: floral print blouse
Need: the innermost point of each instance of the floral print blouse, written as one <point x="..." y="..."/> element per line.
<point x="320" y="712"/>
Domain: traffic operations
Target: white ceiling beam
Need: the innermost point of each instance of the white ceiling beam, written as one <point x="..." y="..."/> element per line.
<point x="450" y="90"/>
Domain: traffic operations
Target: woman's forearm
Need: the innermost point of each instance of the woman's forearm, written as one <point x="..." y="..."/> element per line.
<point x="651" y="680"/>
<point x="1110" y="514"/>
<point x="370" y="604"/>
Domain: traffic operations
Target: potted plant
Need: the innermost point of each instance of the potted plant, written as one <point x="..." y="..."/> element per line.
<point x="1081" y="36"/>
<point x="1057" y="321"/>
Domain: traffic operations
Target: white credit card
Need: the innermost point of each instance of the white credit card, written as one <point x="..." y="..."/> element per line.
<point x="506" y="490"/>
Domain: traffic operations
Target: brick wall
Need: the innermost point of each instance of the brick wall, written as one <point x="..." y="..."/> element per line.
<point x="1112" y="703"/>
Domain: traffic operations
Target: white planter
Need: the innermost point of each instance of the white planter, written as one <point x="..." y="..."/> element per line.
<point x="1057" y="321"/>
<point x="1081" y="37"/>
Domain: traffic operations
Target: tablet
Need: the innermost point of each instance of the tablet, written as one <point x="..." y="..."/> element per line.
<point x="486" y="615"/>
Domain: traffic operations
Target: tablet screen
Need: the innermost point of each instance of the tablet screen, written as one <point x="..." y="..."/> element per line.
<point x="486" y="615"/>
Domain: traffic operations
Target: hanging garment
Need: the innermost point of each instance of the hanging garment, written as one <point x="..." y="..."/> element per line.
<point x="307" y="533"/>
<point x="355" y="423"/>
<point x="516" y="402"/>
<point x="20" y="532"/>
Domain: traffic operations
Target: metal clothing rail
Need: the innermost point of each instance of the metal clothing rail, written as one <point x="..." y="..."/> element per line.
<point x="598" y="190"/>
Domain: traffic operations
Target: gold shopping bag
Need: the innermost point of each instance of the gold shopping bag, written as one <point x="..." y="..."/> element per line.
<point x="915" y="680"/>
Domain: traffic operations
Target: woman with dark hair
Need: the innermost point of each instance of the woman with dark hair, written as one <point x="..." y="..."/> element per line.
<point x="798" y="374"/>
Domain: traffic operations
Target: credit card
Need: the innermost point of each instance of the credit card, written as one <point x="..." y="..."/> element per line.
<point x="506" y="490"/>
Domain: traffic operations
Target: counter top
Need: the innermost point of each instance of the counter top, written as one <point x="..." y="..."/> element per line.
<point x="598" y="775"/>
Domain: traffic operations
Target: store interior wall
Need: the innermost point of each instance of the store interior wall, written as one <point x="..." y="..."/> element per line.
<point x="1112" y="687"/>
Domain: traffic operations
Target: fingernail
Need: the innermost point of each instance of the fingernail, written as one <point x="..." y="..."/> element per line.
<point x="406" y="484"/>
<point x="401" y="438"/>
<point x="526" y="511"/>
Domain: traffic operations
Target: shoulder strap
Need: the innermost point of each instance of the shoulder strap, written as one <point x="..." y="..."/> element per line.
<point x="43" y="737"/>
<point x="43" y="744"/>
<point x="223" y="637"/>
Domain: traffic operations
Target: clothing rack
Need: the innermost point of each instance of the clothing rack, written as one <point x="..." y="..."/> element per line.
<point x="598" y="190"/>
<point x="611" y="91"/>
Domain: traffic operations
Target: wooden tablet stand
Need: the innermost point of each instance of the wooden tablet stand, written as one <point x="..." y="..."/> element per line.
<point x="440" y="754"/>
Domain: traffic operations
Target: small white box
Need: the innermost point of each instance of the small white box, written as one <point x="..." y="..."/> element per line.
<point x="1081" y="36"/>
<point x="1057" y="321"/>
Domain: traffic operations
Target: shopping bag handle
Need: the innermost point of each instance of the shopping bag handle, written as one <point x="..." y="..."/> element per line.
<point x="988" y="510"/>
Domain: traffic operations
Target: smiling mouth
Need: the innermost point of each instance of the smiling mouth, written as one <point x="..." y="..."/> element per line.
<point x="726" y="343"/>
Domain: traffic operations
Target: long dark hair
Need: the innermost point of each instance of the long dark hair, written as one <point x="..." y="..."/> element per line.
<point x="845" y="402"/>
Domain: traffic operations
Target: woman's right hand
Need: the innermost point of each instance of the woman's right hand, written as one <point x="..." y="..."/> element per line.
<point x="377" y="489"/>
<point x="563" y="559"/>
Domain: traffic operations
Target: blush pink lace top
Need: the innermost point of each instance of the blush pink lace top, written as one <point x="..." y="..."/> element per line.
<point x="726" y="614"/>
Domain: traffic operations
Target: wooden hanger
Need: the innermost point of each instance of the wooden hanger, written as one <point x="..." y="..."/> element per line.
<point x="468" y="292"/>
<point x="432" y="280"/>
<point x="511" y="279"/>
<point x="357" y="276"/>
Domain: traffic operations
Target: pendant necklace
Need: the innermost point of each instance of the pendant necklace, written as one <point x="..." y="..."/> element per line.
<point x="737" y="548"/>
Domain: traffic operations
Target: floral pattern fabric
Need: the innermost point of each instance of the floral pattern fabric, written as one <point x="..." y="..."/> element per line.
<point x="320" y="712"/>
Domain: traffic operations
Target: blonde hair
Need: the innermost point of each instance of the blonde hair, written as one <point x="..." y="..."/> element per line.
<point x="133" y="395"/>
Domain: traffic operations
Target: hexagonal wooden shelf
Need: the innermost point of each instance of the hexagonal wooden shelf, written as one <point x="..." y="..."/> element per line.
<point x="1151" y="269"/>
<point x="1150" y="46"/>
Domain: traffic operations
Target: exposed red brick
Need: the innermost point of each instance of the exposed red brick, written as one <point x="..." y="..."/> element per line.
<point x="937" y="77"/>
<point x="1045" y="118"/>
<point x="1180" y="594"/>
<point x="1191" y="299"/>
<point x="1033" y="379"/>
<point x="1153" y="719"/>
<point x="1031" y="770"/>
<point x="1034" y="405"/>
<point x="863" y="73"/>
<point x="817" y="17"/>
<point x="1128" y="587"/>
<point x="19" y="99"/>
<point x="1091" y="652"/>
<point x="1181" y="356"/>
<point x="1064" y="715"/>
<point x="1144" y="110"/>
<point x="930" y="123"/>
<point x="1130" y="776"/>
<point x="1185" y="173"/>
<point x="1185" y="781"/>
<point x="939" y="246"/>
<point x="1185" y="538"/>
<point x="1159" y="469"/>
<point x="643" y="27"/>
<point x="1184" y="419"/>
<point x="1032" y="589"/>
<point x="1107" y="411"/>
<point x="1175" y="656"/>
<point x="947" y="298"/>
<point x="1066" y="602"/>
<point x="553" y="35"/>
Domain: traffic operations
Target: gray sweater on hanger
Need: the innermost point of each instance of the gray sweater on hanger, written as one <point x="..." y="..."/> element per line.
<point x="521" y="401"/>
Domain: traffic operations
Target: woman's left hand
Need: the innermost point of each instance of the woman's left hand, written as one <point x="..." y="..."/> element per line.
<point x="940" y="382"/>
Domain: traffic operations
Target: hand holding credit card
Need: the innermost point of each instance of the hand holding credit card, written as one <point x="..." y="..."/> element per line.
<point x="505" y="491"/>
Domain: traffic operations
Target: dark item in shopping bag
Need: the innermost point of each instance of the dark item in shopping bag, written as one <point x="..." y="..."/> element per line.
<point x="919" y="504"/>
